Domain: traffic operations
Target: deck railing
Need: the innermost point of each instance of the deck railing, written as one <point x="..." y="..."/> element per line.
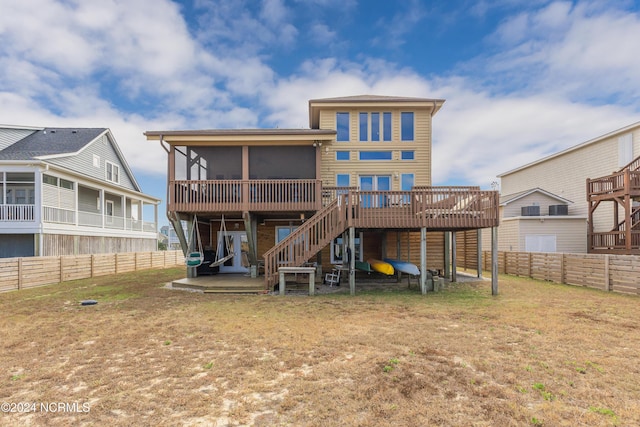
<point x="614" y="241"/>
<point x="435" y="208"/>
<point x="617" y="183"/>
<point x="16" y="213"/>
<point x="431" y="207"/>
<point x="245" y="195"/>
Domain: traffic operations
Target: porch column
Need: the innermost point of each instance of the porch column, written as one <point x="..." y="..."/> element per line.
<point x="479" y="262"/>
<point x="423" y="260"/>
<point x="245" y="179"/>
<point x="494" y="261"/>
<point x="352" y="260"/>
<point x="447" y="254"/>
<point x="454" y="265"/>
<point x="102" y="206"/>
<point x="123" y="210"/>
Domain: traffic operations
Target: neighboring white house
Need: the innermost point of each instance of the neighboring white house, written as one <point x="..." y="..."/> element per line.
<point x="538" y="221"/>
<point x="562" y="177"/>
<point x="70" y="191"/>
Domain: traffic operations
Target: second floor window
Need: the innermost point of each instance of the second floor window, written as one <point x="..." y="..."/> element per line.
<point x="113" y="172"/>
<point x="342" y="155"/>
<point x="342" y="126"/>
<point x="406" y="126"/>
<point x="372" y="128"/>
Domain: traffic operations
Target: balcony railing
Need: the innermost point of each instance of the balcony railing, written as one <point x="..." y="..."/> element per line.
<point x="16" y="213"/>
<point x="615" y="184"/>
<point x="57" y="215"/>
<point x="245" y="195"/>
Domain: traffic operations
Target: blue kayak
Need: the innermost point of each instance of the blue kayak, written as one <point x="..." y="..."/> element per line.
<point x="404" y="266"/>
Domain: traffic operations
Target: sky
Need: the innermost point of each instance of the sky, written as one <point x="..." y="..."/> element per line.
<point x="521" y="79"/>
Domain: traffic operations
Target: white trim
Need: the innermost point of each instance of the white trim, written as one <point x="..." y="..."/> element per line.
<point x="535" y="190"/>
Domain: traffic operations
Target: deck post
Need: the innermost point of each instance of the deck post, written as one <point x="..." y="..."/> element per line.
<point x="352" y="260"/>
<point x="494" y="261"/>
<point x="454" y="266"/>
<point x="423" y="261"/>
<point x="447" y="253"/>
<point x="479" y="250"/>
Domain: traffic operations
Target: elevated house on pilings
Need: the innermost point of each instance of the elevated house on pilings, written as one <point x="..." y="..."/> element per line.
<point x="358" y="178"/>
<point x="621" y="190"/>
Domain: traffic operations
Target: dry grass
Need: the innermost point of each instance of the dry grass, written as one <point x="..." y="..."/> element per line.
<point x="537" y="354"/>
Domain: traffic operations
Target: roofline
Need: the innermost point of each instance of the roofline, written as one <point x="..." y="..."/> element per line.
<point x="373" y="99"/>
<point x="33" y="128"/>
<point x="535" y="190"/>
<point x="570" y="149"/>
<point x="238" y="132"/>
<point x="382" y="102"/>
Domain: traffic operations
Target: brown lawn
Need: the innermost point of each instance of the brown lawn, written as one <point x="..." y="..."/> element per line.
<point x="537" y="354"/>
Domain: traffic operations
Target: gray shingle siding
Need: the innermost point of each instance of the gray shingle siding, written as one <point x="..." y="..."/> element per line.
<point x="83" y="162"/>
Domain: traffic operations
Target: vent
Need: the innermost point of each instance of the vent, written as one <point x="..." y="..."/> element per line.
<point x="558" y="210"/>
<point x="530" y="211"/>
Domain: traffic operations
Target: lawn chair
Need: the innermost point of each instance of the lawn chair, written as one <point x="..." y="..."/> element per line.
<point x="333" y="278"/>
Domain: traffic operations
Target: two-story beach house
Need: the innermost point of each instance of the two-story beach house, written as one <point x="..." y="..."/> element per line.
<point x="67" y="191"/>
<point x="358" y="181"/>
<point x="583" y="199"/>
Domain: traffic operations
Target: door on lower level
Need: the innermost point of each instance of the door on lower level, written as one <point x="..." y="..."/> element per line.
<point x="239" y="247"/>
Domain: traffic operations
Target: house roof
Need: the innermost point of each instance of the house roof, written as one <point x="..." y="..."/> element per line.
<point x="505" y="200"/>
<point x="51" y="141"/>
<point x="380" y="101"/>
<point x="228" y="135"/>
<point x="574" y="148"/>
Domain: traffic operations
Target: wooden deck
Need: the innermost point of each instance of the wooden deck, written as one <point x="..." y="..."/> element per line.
<point x="223" y="284"/>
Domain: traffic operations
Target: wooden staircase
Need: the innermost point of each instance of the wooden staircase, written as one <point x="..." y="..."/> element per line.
<point x="622" y="188"/>
<point x="306" y="240"/>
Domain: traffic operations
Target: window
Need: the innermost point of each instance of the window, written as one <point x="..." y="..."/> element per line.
<point x="406" y="126"/>
<point x="339" y="249"/>
<point x="364" y="126"/>
<point x="375" y="155"/>
<point x="342" y="155"/>
<point x="51" y="180"/>
<point x="374" y="183"/>
<point x="375" y="126"/>
<point x="373" y="133"/>
<point x="19" y="188"/>
<point x="343" y="180"/>
<point x="407" y="180"/>
<point x="386" y="126"/>
<point x="66" y="184"/>
<point x="113" y="173"/>
<point x="342" y="127"/>
<point x="407" y="155"/>
<point x="96" y="161"/>
<point x="109" y="211"/>
<point x="282" y="232"/>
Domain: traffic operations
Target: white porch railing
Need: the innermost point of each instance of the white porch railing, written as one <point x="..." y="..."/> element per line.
<point x="16" y="213"/>
<point x="57" y="215"/>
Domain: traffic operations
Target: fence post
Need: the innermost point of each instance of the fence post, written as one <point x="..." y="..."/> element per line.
<point x="530" y="261"/>
<point x="19" y="273"/>
<point x="93" y="256"/>
<point x="607" y="280"/>
<point x="61" y="269"/>
<point x="562" y="268"/>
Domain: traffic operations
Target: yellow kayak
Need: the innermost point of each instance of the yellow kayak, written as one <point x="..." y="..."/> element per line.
<point x="381" y="266"/>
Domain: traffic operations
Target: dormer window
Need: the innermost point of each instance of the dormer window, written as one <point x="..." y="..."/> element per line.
<point x="113" y="172"/>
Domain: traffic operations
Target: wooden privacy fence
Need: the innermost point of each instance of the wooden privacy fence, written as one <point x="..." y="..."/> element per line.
<point x="24" y="273"/>
<point x="617" y="273"/>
